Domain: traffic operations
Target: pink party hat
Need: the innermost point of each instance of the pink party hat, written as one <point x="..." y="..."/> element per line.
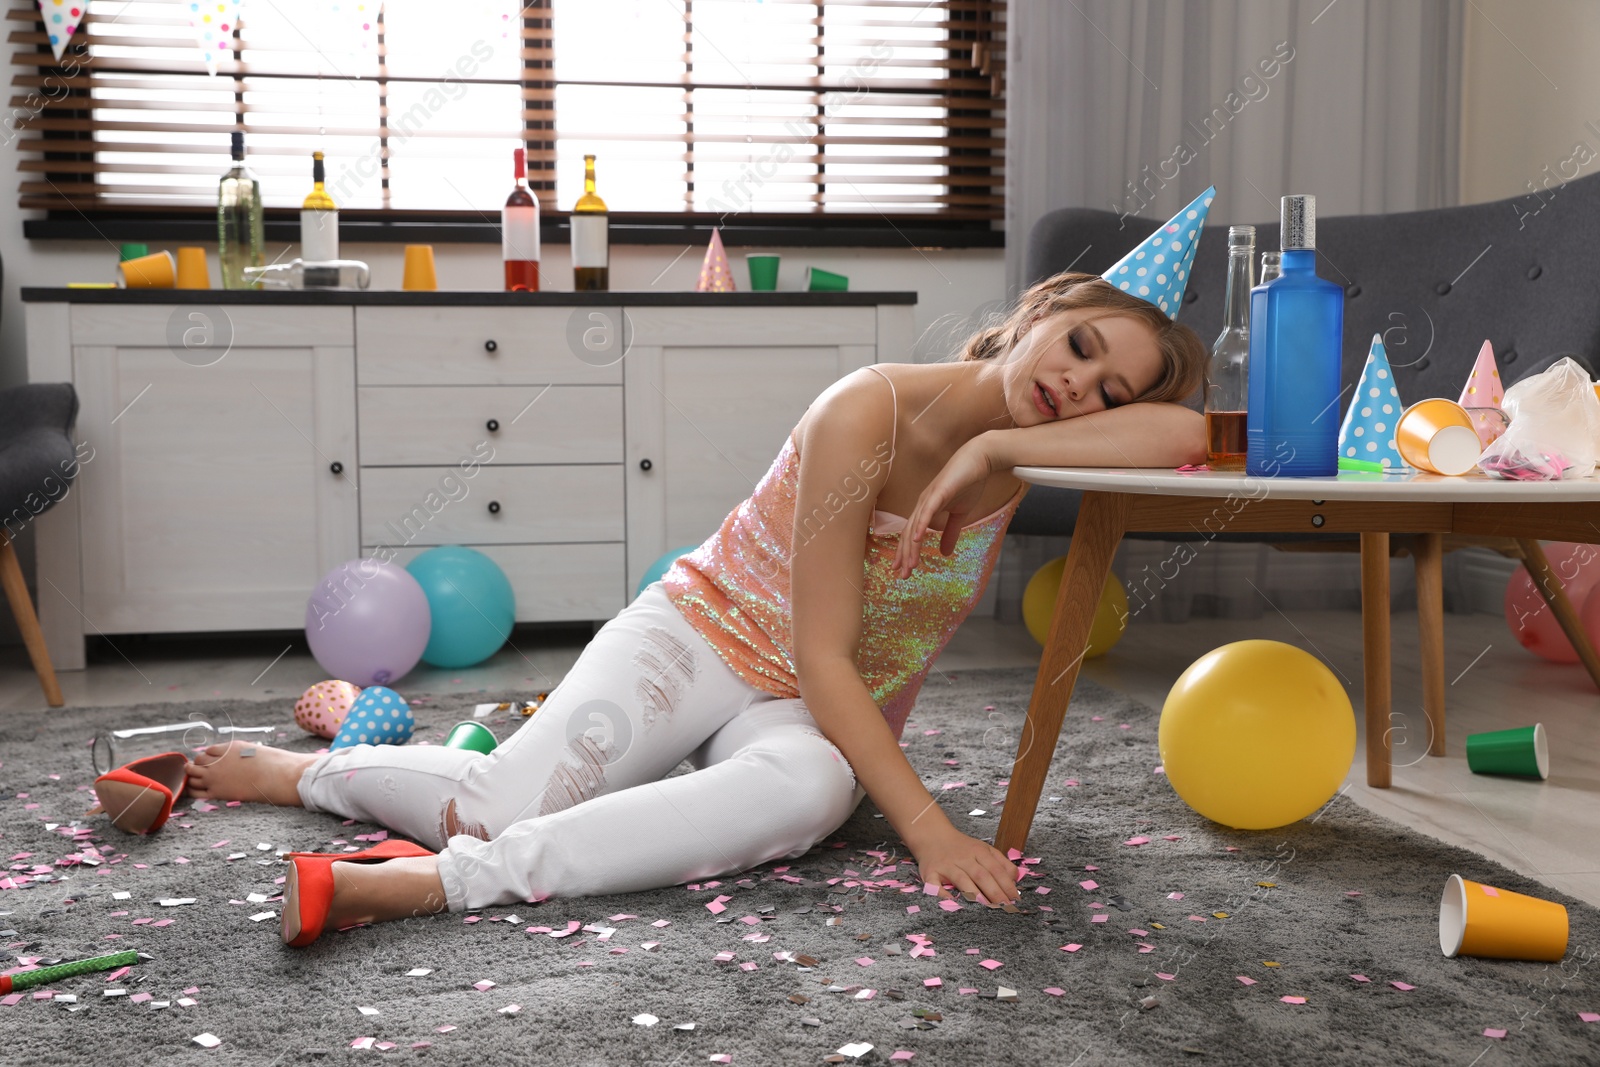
<point x="715" y="277"/>
<point x="1482" y="394"/>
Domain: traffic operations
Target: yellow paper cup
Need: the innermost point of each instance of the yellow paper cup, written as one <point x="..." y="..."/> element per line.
<point x="1480" y="920"/>
<point x="156" y="271"/>
<point x="1438" y="436"/>
<point x="419" y="273"/>
<point x="192" y="270"/>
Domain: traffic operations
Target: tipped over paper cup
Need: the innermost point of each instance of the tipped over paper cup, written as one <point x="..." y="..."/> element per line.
<point x="1481" y="920"/>
<point x="156" y="271"/>
<point x="1523" y="752"/>
<point x="1438" y="436"/>
<point x="472" y="736"/>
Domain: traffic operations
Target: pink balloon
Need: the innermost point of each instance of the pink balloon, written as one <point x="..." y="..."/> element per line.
<point x="1532" y="622"/>
<point x="367" y="622"/>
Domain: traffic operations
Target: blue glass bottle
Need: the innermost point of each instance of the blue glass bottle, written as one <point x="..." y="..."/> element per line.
<point x="1296" y="338"/>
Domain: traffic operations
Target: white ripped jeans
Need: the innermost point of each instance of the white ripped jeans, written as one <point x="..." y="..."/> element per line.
<point x="577" y="802"/>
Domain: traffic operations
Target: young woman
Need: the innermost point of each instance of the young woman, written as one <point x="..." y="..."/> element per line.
<point x="781" y="657"/>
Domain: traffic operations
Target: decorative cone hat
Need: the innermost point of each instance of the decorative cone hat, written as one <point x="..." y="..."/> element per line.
<point x="1158" y="269"/>
<point x="1482" y="394"/>
<point x="715" y="277"/>
<point x="61" y="21"/>
<point x="1368" y="430"/>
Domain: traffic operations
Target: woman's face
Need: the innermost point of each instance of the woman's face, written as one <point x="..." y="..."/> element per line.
<point x="1075" y="362"/>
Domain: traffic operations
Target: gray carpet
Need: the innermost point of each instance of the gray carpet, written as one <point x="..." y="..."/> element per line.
<point x="271" y="1005"/>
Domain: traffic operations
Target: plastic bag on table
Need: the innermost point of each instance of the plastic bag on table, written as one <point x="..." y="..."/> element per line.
<point x="1555" y="425"/>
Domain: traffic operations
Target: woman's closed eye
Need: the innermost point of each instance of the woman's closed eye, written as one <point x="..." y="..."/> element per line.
<point x="1077" y="347"/>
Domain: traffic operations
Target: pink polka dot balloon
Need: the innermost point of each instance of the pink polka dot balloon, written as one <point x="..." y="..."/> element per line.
<point x="322" y="708"/>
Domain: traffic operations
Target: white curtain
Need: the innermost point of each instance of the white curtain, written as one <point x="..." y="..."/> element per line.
<point x="1135" y="106"/>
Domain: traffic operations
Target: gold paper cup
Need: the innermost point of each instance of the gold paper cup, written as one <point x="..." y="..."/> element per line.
<point x="1438" y="436"/>
<point x="192" y="270"/>
<point x="1481" y="920"/>
<point x="156" y="271"/>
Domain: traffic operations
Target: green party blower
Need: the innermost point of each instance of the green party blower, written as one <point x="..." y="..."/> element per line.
<point x="46" y="975"/>
<point x="1522" y="752"/>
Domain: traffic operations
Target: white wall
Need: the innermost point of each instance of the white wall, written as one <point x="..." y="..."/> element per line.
<point x="1530" y="96"/>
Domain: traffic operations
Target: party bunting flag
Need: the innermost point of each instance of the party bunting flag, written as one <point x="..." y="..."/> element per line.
<point x="61" y="19"/>
<point x="1158" y="269"/>
<point x="715" y="277"/>
<point x="213" y="22"/>
<point x="1368" y="430"/>
<point x="1482" y="394"/>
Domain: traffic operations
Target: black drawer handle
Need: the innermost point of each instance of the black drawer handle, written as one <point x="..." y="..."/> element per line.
<point x="490" y="346"/>
<point x="493" y="425"/>
<point x="645" y="464"/>
<point x="336" y="467"/>
<point x="494" y="507"/>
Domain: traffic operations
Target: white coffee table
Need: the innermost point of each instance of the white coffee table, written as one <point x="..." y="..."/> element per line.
<point x="1117" y="501"/>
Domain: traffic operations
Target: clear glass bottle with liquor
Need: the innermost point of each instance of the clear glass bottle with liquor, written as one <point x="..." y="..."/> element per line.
<point x="519" y="231"/>
<point x="591" y="256"/>
<point x="1228" y="372"/>
<point x="1271" y="266"/>
<point x="240" y="241"/>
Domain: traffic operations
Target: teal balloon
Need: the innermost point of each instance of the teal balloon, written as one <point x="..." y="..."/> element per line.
<point x="471" y="602"/>
<point x="661" y="566"/>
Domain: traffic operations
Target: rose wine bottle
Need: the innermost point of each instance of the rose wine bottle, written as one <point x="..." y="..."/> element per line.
<point x="590" y="238"/>
<point x="519" y="231"/>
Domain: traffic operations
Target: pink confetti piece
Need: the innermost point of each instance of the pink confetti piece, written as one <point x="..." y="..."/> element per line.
<point x="1490" y="1031"/>
<point x="1143" y="948"/>
<point x="723" y="957"/>
<point x="1174" y="896"/>
<point x="748" y="965"/>
<point x="118" y="973"/>
<point x="993" y="965"/>
<point x="1097" y="718"/>
<point x="1171" y="837"/>
<point x="191" y="991"/>
<point x="1246" y="980"/>
<point x="483" y="986"/>
<point x="964" y="990"/>
<point x="1089" y="885"/>
<point x="954" y="785"/>
<point x="1197" y="918"/>
<point x="1360" y="978"/>
<point x="1293" y="1000"/>
<point x="1353" y="893"/>
<point x="1159" y="770"/>
<point x="1139" y="933"/>
<point x="1071" y="782"/>
<point x="1041" y="890"/>
<point x="865" y="961"/>
<point x="913" y="909"/>
<point x="1403" y="986"/>
<point x="1137" y="841"/>
<point x="1124" y="726"/>
<point x="385" y="1046"/>
<point x="933" y="983"/>
<point x="661" y="922"/>
<point x="445" y="1029"/>
<point x="751" y="920"/>
<point x="721" y="1057"/>
<point x="1165" y="977"/>
<point x="1071" y="948"/>
<point x="1099" y="918"/>
<point x="716" y="907"/>
<point x="902" y="1054"/>
<point x="930" y="733"/>
<point x="949" y="905"/>
<point x="1589" y="1016"/>
<point x="1489" y="890"/>
<point x="974" y="951"/>
<point x="139" y="998"/>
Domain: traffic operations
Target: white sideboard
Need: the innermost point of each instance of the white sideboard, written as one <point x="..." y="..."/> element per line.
<point x="240" y="445"/>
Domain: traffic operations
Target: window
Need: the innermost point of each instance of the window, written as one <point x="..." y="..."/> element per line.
<point x="713" y="107"/>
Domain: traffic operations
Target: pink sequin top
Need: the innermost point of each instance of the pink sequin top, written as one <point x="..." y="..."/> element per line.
<point x="734" y="589"/>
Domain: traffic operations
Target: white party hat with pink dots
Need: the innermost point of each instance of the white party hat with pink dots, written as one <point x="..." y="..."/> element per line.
<point x="1158" y="269"/>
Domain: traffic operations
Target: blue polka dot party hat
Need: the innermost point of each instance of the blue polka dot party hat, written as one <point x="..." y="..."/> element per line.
<point x="1158" y="269"/>
<point x="1368" y="430"/>
<point x="379" y="716"/>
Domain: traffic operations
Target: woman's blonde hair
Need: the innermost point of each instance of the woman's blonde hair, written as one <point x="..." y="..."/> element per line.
<point x="1183" y="355"/>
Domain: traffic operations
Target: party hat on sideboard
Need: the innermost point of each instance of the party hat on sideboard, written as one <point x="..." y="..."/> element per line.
<point x="1158" y="269"/>
<point x="1368" y="429"/>
<point x="715" y="277"/>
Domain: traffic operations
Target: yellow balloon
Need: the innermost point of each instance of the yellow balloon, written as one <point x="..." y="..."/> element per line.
<point x="1039" y="603"/>
<point x="1257" y="734"/>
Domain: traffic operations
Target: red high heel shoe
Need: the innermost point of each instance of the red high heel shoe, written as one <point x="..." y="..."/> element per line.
<point x="308" y="890"/>
<point x="140" y="795"/>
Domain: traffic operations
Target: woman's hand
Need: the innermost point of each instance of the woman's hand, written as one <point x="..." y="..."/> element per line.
<point x="972" y="866"/>
<point x="956" y="490"/>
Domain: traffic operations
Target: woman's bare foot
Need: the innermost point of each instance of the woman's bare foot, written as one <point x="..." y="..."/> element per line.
<point x="400" y="888"/>
<point x="234" y="770"/>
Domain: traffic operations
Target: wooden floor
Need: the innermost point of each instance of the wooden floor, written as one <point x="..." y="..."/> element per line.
<point x="1549" y="830"/>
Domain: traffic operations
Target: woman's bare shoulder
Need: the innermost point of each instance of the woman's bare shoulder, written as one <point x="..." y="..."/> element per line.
<point x="857" y="400"/>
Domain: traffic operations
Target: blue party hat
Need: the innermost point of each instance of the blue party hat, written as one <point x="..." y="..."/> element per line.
<point x="1368" y="430"/>
<point x="379" y="716"/>
<point x="1158" y="269"/>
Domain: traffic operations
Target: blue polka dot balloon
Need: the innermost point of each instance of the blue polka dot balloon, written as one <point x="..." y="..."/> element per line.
<point x="379" y="716"/>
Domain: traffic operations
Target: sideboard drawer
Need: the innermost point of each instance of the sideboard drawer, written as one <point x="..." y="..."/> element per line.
<point x="555" y="583"/>
<point x="492" y="505"/>
<point x="413" y="425"/>
<point x="474" y="346"/>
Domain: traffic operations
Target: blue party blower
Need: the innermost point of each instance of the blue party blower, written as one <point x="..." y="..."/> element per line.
<point x="1296" y="337"/>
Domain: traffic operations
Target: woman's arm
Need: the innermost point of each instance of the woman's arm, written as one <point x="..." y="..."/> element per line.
<point x="840" y="476"/>
<point x="1141" y="434"/>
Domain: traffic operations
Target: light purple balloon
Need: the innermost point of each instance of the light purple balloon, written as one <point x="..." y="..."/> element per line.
<point x="367" y="622"/>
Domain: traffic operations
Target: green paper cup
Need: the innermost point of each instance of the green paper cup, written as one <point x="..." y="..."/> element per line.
<point x="825" y="281"/>
<point x="763" y="270"/>
<point x="472" y="736"/>
<point x="1522" y="752"/>
<point x="132" y="250"/>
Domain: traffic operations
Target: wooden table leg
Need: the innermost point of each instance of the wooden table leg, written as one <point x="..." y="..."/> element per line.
<point x="1102" y="518"/>
<point x="1549" y="585"/>
<point x="16" y="591"/>
<point x="1428" y="549"/>
<point x="1375" y="653"/>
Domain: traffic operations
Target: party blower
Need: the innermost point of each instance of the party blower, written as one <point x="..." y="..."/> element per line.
<point x="1481" y="920"/>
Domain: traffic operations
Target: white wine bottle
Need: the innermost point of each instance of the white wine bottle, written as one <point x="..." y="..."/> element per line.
<point x="591" y="254"/>
<point x="240" y="242"/>
<point x="319" y="219"/>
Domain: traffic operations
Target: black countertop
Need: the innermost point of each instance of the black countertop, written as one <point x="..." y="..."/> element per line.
<point x="445" y="298"/>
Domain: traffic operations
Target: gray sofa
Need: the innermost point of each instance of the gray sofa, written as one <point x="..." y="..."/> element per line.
<point x="1523" y="273"/>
